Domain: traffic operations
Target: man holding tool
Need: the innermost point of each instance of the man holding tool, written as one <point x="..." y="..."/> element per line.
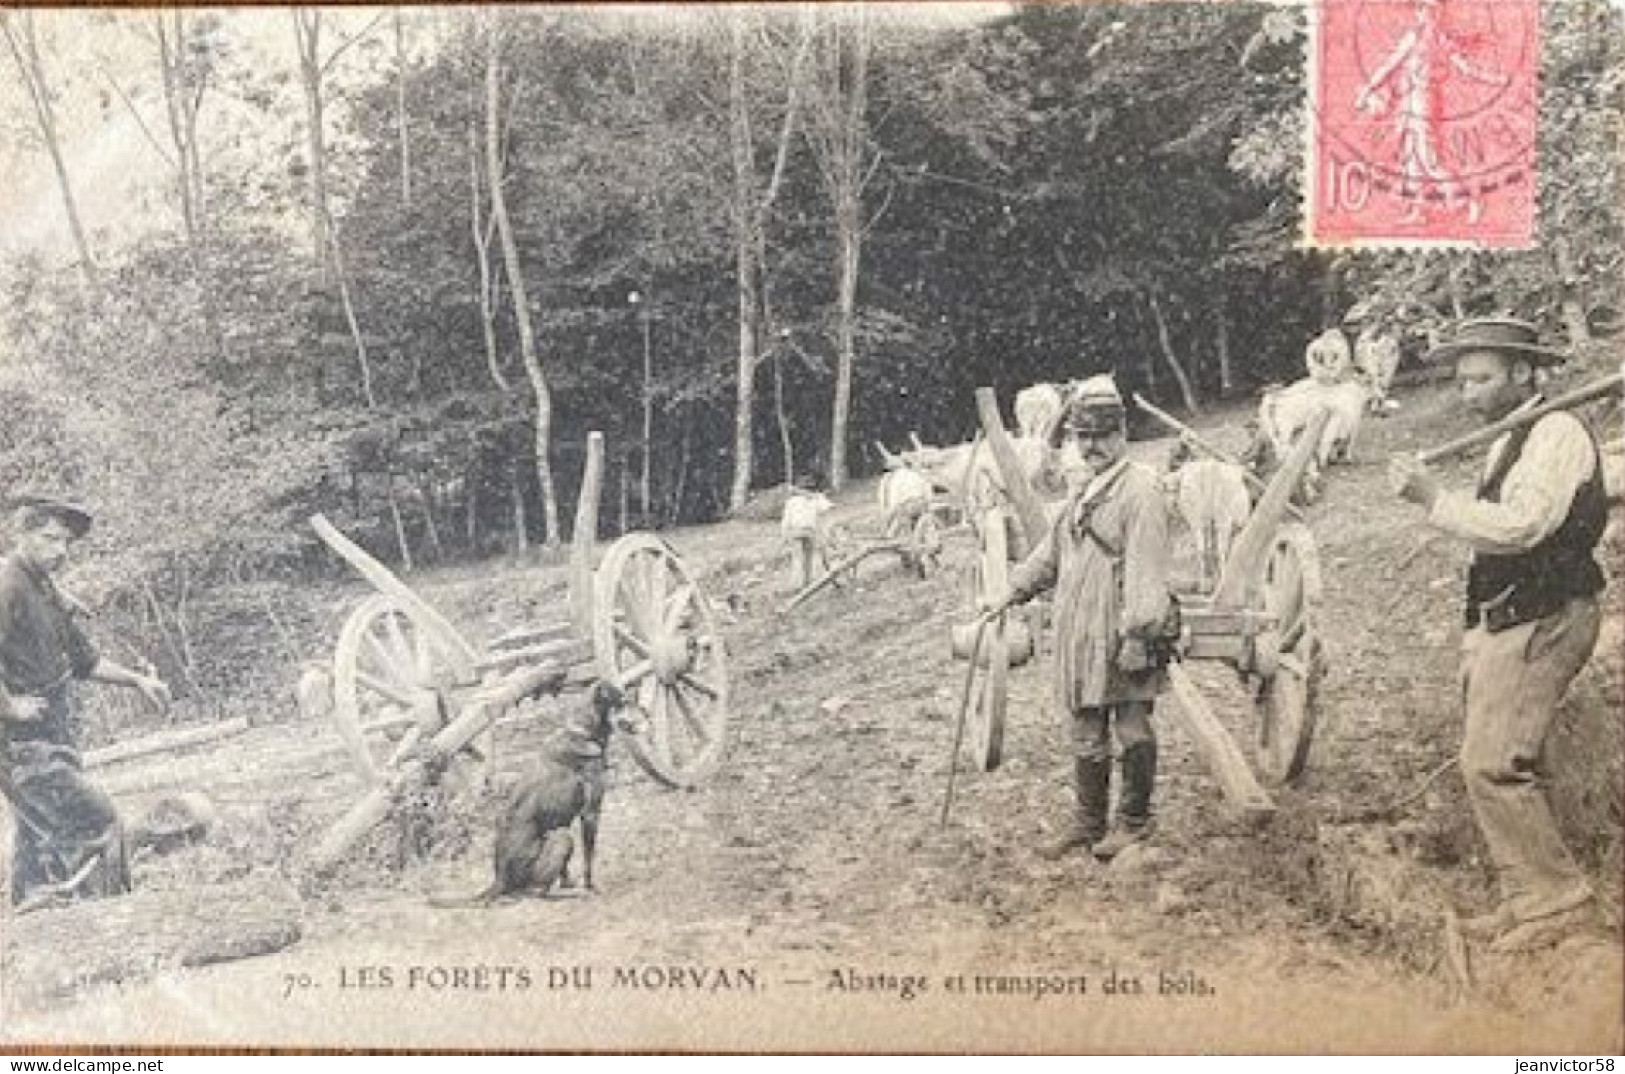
<point x="1106" y="556"/>
<point x="1531" y="614"/>
<point x="68" y="840"/>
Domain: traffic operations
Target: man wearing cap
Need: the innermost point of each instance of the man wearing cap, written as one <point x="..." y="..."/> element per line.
<point x="1531" y="615"/>
<point x="1106" y="557"/>
<point x="68" y="836"/>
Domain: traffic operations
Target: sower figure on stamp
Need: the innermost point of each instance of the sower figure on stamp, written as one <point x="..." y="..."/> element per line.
<point x="1531" y="617"/>
<point x="1106" y="556"/>
<point x="68" y="838"/>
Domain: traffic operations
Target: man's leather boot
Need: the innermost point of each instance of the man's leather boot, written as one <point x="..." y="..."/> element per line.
<point x="1091" y="781"/>
<point x="1134" y="807"/>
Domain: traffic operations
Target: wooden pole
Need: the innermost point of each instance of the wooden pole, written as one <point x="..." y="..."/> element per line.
<point x="458" y="649"/>
<point x="584" y="537"/>
<point x="165" y="742"/>
<point x="1245" y="564"/>
<point x="836" y="569"/>
<point x="1192" y="437"/>
<point x="481" y="713"/>
<point x="1034" y="519"/>
<point x="1567" y="401"/>
<point x="1224" y="758"/>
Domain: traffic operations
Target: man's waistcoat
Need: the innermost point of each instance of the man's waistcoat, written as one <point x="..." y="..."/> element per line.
<point x="1505" y="590"/>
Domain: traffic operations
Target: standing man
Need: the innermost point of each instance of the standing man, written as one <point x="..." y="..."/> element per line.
<point x="68" y="840"/>
<point x="1106" y="556"/>
<point x="1531" y="616"/>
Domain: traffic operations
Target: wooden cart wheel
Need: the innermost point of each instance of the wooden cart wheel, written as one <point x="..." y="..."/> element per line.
<point x="989" y="681"/>
<point x="656" y="636"/>
<point x="1290" y="591"/>
<point x="386" y="669"/>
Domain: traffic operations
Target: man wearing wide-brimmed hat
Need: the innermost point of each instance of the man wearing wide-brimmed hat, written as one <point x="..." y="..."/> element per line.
<point x="1106" y="557"/>
<point x="1531" y="615"/>
<point x="68" y="838"/>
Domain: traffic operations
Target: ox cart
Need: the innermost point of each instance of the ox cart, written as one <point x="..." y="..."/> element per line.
<point x="1261" y="620"/>
<point x="409" y="687"/>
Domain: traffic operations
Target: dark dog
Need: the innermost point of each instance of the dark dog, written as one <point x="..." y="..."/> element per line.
<point x="533" y="842"/>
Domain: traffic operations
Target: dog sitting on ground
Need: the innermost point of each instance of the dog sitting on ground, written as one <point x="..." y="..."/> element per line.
<point x="533" y="840"/>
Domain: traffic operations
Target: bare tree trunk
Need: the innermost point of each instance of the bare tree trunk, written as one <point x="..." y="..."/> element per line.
<point x="1221" y="336"/>
<point x="1573" y="305"/>
<point x="400" y="107"/>
<point x="786" y="443"/>
<point x="1453" y="286"/>
<point x="184" y="87"/>
<point x="521" y="526"/>
<point x="626" y="494"/>
<point x="471" y="501"/>
<point x="24" y="44"/>
<point x="745" y="216"/>
<point x="516" y="283"/>
<point x="399" y="522"/>
<point x="352" y="319"/>
<point x="489" y="283"/>
<point x="430" y="501"/>
<point x="750" y="223"/>
<point x="680" y="484"/>
<point x="846" y="156"/>
<point x="644" y="491"/>
<point x="1165" y="342"/>
<point x="307" y="26"/>
<point x="849" y="251"/>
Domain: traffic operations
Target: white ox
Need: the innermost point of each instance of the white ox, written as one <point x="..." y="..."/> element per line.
<point x="1213" y="500"/>
<point x="1038" y="408"/>
<point x="905" y="495"/>
<point x="802" y="527"/>
<point x="1376" y="359"/>
<point x="968" y="474"/>
<point x="1286" y="412"/>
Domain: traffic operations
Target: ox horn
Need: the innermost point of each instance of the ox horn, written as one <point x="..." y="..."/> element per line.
<point x="892" y="460"/>
<point x="914" y="438"/>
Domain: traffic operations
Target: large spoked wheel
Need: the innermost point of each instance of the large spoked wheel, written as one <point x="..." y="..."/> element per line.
<point x="989" y="678"/>
<point x="1290" y="592"/>
<point x="656" y="636"/>
<point x="387" y="671"/>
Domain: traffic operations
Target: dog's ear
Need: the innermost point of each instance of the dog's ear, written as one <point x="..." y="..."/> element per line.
<point x="607" y="698"/>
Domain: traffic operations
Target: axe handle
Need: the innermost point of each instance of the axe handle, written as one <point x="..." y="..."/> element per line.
<point x="1569" y="400"/>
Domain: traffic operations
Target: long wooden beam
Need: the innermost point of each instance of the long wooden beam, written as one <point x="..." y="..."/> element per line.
<point x="459" y="652"/>
<point x="1245" y="564"/>
<point x="1224" y="758"/>
<point x="584" y="537"/>
<point x="1029" y="508"/>
<point x="478" y="716"/>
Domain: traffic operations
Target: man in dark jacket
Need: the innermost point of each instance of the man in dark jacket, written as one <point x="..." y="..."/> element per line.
<point x="1532" y="616"/>
<point x="68" y="838"/>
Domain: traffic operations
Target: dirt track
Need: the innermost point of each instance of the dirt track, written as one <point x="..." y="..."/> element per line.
<point x="816" y="849"/>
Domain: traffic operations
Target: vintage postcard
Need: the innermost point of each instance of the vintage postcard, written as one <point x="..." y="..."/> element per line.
<point x="953" y="527"/>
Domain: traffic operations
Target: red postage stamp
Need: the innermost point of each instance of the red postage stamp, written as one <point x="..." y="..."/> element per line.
<point x="1423" y="122"/>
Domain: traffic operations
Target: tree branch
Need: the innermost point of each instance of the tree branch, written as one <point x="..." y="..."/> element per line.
<point x="135" y="114"/>
<point x="344" y="46"/>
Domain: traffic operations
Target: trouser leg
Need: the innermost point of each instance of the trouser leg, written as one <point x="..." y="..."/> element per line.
<point x="1091" y="783"/>
<point x="84" y="824"/>
<point x="1512" y="682"/>
<point x="1139" y="742"/>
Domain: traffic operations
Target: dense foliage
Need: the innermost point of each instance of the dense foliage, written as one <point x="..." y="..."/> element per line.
<point x="1063" y="190"/>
